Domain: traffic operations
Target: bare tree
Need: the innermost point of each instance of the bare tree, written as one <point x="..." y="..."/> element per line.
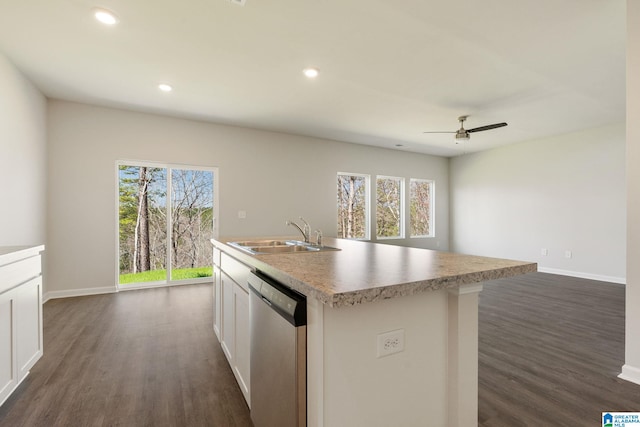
<point x="192" y="219"/>
<point x="145" y="211"/>
<point x="351" y="206"/>
<point x="388" y="207"/>
<point x="420" y="216"/>
<point x="141" y="235"/>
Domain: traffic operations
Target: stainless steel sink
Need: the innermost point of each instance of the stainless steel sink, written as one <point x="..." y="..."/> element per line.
<point x="261" y="243"/>
<point x="254" y="247"/>
<point x="278" y="249"/>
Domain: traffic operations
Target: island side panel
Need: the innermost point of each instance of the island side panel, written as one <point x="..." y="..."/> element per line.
<point x="406" y="388"/>
<point x="463" y="356"/>
<point x="315" y="363"/>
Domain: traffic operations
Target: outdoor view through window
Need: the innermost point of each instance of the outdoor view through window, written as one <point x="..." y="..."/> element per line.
<point x="165" y="219"/>
<point x="389" y="212"/>
<point x="352" y="209"/>
<point x="420" y="206"/>
<point x="390" y="208"/>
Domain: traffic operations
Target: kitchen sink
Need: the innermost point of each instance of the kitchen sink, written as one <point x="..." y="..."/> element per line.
<point x="261" y="243"/>
<point x="255" y="247"/>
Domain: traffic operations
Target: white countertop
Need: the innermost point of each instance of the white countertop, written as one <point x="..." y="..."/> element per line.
<point x="9" y="254"/>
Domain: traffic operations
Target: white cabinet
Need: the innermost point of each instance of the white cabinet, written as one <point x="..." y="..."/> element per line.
<point x="8" y="371"/>
<point x="242" y="339"/>
<point x="28" y="325"/>
<point x="20" y="315"/>
<point x="217" y="293"/>
<point x="227" y="332"/>
<point x="217" y="300"/>
<point x="231" y="316"/>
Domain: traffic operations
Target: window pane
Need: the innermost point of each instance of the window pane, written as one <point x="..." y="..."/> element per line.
<point x="420" y="205"/>
<point x="389" y="207"/>
<point x="352" y="210"/>
<point x="191" y="223"/>
<point x="142" y="224"/>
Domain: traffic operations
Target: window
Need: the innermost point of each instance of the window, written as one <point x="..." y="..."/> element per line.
<point x="420" y="206"/>
<point x="165" y="223"/>
<point x="389" y="207"/>
<point x="353" y="215"/>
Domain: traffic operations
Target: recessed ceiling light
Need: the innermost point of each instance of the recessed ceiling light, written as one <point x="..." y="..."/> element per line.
<point x="105" y="16"/>
<point x="165" y="87"/>
<point x="311" y="72"/>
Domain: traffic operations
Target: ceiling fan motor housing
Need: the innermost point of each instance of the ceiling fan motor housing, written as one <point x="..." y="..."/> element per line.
<point x="462" y="134"/>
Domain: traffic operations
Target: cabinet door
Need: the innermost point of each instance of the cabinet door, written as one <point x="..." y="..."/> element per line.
<point x="227" y="318"/>
<point x="217" y="302"/>
<point x="242" y="339"/>
<point x="8" y="371"/>
<point x="28" y="307"/>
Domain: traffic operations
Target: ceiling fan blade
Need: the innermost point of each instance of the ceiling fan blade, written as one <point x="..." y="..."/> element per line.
<point x="438" y="132"/>
<point x="487" y="127"/>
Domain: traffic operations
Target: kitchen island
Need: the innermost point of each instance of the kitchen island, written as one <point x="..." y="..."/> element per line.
<point x="429" y="299"/>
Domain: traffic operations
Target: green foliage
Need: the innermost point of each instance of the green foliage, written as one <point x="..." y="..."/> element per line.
<point x="161" y="275"/>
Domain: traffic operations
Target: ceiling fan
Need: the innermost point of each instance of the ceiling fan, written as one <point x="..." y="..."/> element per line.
<point x="463" y="134"/>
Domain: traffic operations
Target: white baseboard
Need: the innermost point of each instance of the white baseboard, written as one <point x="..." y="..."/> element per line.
<point x="630" y="373"/>
<point x="77" y="293"/>
<point x="611" y="279"/>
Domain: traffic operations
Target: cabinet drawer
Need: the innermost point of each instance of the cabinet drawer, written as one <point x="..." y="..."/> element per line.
<point x="19" y="272"/>
<point x="238" y="271"/>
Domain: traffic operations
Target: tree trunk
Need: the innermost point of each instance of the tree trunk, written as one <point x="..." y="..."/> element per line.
<point x="350" y="204"/>
<point x="142" y="255"/>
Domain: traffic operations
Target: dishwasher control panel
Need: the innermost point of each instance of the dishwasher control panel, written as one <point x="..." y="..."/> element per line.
<point x="289" y="303"/>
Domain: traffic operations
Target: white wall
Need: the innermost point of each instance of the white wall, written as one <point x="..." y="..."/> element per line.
<point x="631" y="369"/>
<point x="22" y="159"/>
<point x="272" y="176"/>
<point x="560" y="193"/>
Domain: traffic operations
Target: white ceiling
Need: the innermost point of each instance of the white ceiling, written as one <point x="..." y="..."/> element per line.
<point x="389" y="69"/>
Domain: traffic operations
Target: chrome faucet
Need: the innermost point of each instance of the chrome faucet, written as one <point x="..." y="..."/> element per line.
<point x="319" y="237"/>
<point x="305" y="232"/>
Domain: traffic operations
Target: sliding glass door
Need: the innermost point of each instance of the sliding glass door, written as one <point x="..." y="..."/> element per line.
<point x="165" y="223"/>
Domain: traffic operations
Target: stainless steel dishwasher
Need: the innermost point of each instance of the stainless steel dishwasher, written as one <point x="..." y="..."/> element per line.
<point x="278" y="364"/>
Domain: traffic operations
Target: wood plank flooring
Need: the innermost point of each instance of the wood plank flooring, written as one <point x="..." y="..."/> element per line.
<point x="550" y="349"/>
<point x="136" y="358"/>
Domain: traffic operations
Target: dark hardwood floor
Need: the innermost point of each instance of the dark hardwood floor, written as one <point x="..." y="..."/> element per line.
<point x="550" y="350"/>
<point x="136" y="358"/>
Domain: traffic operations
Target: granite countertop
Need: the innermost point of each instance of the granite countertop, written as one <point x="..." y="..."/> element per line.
<point x="364" y="272"/>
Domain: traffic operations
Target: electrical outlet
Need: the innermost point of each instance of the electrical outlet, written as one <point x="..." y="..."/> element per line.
<point x="390" y="342"/>
<point x="544" y="251"/>
<point x="242" y="214"/>
<point x="568" y="254"/>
